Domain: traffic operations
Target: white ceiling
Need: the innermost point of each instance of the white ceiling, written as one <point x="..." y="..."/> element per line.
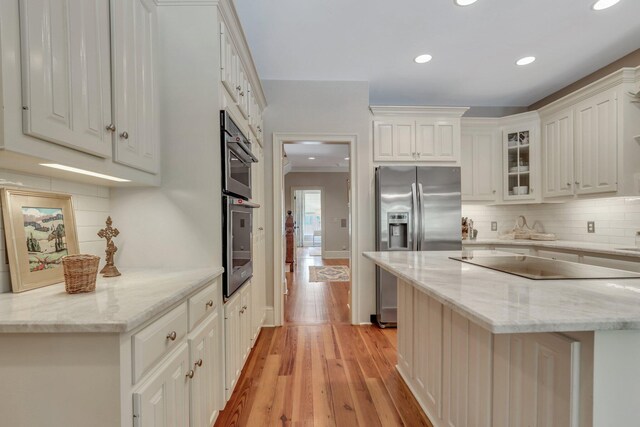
<point x="474" y="48"/>
<point x="328" y="157"/>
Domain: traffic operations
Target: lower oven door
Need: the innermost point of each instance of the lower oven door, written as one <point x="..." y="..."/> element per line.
<point x="238" y="244"/>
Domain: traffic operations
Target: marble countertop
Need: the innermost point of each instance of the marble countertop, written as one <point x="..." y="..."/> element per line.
<point x="598" y="248"/>
<point x="118" y="305"/>
<point x="504" y="303"/>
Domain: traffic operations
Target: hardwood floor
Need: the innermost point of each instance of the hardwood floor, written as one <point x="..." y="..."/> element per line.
<point x="318" y="370"/>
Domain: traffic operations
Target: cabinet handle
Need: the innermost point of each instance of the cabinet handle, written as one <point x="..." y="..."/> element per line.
<point x="172" y="335"/>
<point x="209" y="303"/>
<point x="242" y="93"/>
<point x="259" y="129"/>
<point x="260" y="228"/>
<point x="111" y="127"/>
<point x="124" y="135"/>
<point x="190" y="374"/>
<point x="577" y="183"/>
<point x="198" y="363"/>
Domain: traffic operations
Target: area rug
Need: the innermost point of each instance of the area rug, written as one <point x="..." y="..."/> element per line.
<point x="329" y="273"/>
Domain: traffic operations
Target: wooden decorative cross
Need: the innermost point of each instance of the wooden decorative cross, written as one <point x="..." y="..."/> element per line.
<point x="109" y="233"/>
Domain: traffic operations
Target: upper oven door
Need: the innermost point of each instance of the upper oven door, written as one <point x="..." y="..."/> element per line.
<point x="237" y="159"/>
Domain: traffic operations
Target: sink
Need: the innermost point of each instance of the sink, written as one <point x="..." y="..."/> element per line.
<point x="628" y="249"/>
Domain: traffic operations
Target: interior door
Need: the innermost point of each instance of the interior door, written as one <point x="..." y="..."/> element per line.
<point x="298" y="212"/>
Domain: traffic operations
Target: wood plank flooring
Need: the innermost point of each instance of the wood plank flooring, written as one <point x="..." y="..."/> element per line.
<point x="318" y="370"/>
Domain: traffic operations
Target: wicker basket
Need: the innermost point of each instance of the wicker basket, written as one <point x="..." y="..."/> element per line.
<point x="80" y="272"/>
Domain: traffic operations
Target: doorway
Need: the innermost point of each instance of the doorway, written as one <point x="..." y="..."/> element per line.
<point x="317" y="191"/>
<point x="307" y="205"/>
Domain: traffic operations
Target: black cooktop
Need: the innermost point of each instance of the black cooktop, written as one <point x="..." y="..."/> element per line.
<point x="537" y="268"/>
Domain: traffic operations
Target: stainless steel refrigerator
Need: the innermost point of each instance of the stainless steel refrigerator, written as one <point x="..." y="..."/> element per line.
<point x="417" y="209"/>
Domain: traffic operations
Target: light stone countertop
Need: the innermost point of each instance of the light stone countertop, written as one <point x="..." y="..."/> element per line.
<point x="504" y="303"/>
<point x="597" y="248"/>
<point x="118" y="305"/>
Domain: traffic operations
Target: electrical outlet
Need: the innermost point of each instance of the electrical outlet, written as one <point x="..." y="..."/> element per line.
<point x="494" y="225"/>
<point x="591" y="226"/>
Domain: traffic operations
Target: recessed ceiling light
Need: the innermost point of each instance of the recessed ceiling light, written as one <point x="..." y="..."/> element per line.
<point x="312" y="158"/>
<point x="422" y="59"/>
<point x="526" y="60"/>
<point x="84" y="172"/>
<point x="604" y="4"/>
<point x="465" y="2"/>
<point x="346" y="158"/>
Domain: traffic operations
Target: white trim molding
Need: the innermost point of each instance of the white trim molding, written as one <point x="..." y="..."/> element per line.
<point x="336" y="254"/>
<point x="422" y="111"/>
<point x="279" y="283"/>
<point x="268" y="317"/>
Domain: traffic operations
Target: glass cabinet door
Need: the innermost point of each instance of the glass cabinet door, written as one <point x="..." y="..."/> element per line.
<point x="518" y="156"/>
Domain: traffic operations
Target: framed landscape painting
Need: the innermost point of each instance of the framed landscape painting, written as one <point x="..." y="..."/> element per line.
<point x="40" y="229"/>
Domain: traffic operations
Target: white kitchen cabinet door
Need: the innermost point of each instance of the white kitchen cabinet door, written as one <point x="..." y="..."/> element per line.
<point x="405" y="328"/>
<point x="557" y="155"/>
<point x="134" y="36"/>
<point x="479" y="161"/>
<point x="232" y="343"/>
<point x="436" y="140"/>
<point x="246" y="331"/>
<point x="66" y="73"/>
<point x="596" y="139"/>
<point x="206" y="362"/>
<point x="243" y="91"/>
<point x="427" y="359"/>
<point x="228" y="63"/>
<point x="394" y="140"/>
<point x="536" y="380"/>
<point x="163" y="399"/>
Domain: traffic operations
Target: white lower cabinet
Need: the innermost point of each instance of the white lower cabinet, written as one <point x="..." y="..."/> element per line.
<point x="464" y="376"/>
<point x="163" y="399"/>
<point x="238" y="335"/>
<point x="206" y="385"/>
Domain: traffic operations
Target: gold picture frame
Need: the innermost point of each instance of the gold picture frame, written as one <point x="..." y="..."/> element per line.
<point x="40" y="228"/>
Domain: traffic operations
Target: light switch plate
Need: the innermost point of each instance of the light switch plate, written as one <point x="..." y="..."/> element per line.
<point x="494" y="225"/>
<point x="591" y="226"/>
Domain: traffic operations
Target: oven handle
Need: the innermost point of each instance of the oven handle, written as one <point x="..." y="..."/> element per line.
<point x="248" y="152"/>
<point x="243" y="203"/>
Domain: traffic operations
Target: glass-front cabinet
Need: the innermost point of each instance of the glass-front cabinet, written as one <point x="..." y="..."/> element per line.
<point x="520" y="151"/>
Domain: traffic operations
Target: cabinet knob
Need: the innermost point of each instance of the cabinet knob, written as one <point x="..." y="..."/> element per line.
<point x="244" y="307"/>
<point x="260" y="228"/>
<point x="531" y="191"/>
<point x="568" y="184"/>
<point x="190" y="374"/>
<point x="418" y="154"/>
<point x="242" y="311"/>
<point x="124" y="135"/>
<point x="198" y="363"/>
<point x="111" y="127"/>
<point x="259" y="129"/>
<point x="577" y="183"/>
<point x="210" y="303"/>
<point x="242" y="93"/>
<point x="238" y="88"/>
<point x="172" y="335"/>
<point x="494" y="191"/>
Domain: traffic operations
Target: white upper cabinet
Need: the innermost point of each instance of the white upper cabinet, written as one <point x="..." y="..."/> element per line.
<point x="416" y="134"/>
<point x="557" y="154"/>
<point x="134" y="26"/>
<point x="596" y="144"/>
<point x="228" y="63"/>
<point x="480" y="161"/>
<point x="521" y="157"/>
<point x="66" y="73"/>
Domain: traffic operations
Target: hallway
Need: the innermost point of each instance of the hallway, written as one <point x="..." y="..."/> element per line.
<point x="318" y="370"/>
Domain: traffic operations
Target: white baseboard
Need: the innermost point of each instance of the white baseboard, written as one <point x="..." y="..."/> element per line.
<point x="336" y="254"/>
<point x="269" y="320"/>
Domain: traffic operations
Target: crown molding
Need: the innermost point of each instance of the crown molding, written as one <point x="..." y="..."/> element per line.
<point x="232" y="21"/>
<point x="423" y="111"/>
<point x="186" y="2"/>
<point x="480" y="122"/>
<point x="522" y="118"/>
<point x="622" y="76"/>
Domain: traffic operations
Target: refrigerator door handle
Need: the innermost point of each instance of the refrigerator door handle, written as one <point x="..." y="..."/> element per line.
<point x="414" y="213"/>
<point x="420" y="216"/>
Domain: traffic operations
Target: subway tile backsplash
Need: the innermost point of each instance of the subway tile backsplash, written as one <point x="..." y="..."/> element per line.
<point x="91" y="205"/>
<point x="616" y="219"/>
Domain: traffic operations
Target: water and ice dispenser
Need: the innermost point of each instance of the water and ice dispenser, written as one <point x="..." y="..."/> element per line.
<point x="398" y="223"/>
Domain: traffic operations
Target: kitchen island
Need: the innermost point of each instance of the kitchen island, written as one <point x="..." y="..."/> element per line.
<point x="480" y="347"/>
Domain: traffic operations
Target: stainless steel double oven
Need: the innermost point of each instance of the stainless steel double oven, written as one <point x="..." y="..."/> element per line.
<point x="237" y="208"/>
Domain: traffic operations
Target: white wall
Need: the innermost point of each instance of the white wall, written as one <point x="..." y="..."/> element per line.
<point x="91" y="206"/>
<point x="179" y="224"/>
<point x="326" y="107"/>
<point x="336" y="197"/>
<point x="616" y="219"/>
